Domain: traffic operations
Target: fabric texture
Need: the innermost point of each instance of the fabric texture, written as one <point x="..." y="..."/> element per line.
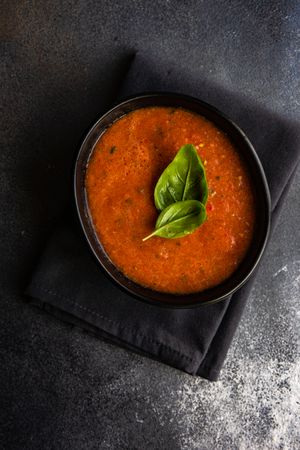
<point x="69" y="284"/>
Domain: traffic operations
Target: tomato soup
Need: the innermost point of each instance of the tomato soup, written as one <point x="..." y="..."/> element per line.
<point x="122" y="172"/>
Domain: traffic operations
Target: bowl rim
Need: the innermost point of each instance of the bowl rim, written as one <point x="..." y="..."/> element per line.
<point x="83" y="218"/>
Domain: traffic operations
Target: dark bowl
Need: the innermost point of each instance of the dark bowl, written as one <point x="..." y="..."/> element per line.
<point x="259" y="182"/>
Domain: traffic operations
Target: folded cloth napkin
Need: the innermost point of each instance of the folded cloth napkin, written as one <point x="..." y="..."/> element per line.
<point x="69" y="283"/>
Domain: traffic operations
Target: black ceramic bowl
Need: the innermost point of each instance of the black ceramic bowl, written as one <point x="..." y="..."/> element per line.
<point x="261" y="192"/>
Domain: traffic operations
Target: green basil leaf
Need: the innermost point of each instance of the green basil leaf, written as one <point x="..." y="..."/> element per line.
<point x="179" y="219"/>
<point x="183" y="179"/>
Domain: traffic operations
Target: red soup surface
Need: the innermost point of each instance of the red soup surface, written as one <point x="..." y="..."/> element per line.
<point x="121" y="176"/>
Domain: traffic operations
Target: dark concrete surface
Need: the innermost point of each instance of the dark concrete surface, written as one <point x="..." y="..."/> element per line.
<point x="63" y="389"/>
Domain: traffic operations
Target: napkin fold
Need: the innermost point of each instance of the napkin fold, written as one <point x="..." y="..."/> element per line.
<point x="69" y="283"/>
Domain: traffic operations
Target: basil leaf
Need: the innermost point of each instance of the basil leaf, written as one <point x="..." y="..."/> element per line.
<point x="179" y="219"/>
<point x="183" y="179"/>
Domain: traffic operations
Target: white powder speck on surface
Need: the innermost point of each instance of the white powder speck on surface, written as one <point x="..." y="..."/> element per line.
<point x="283" y="269"/>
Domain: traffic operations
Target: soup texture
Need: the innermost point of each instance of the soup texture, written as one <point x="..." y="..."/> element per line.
<point x="121" y="176"/>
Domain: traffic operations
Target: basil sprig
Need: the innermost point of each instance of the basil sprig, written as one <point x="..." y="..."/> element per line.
<point x="179" y="219"/>
<point x="183" y="179"/>
<point x="181" y="195"/>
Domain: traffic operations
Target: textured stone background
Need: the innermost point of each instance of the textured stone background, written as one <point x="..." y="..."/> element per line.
<point x="60" y="388"/>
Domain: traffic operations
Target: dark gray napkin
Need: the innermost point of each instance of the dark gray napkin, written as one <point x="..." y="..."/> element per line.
<point x="69" y="284"/>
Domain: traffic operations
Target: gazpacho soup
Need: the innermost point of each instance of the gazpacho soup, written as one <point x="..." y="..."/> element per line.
<point x="209" y="218"/>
